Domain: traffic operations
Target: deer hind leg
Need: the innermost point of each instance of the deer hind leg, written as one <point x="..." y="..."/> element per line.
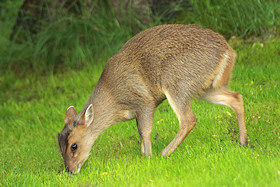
<point x="144" y="119"/>
<point x="235" y="102"/>
<point x="187" y="121"/>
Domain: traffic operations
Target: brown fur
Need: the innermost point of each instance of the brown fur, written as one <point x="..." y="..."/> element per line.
<point x="177" y="62"/>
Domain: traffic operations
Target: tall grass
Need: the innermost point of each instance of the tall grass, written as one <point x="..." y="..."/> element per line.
<point x="78" y="40"/>
<point x="72" y="40"/>
<point x="235" y="18"/>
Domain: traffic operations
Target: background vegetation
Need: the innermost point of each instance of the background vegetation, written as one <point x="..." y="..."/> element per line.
<point x="75" y="39"/>
<point x="42" y="73"/>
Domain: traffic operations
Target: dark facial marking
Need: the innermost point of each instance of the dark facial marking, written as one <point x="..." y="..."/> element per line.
<point x="63" y="137"/>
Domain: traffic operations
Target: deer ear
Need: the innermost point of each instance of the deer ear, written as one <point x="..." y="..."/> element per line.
<point x="89" y="114"/>
<point x="70" y="115"/>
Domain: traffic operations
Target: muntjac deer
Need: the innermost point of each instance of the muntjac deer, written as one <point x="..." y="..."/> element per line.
<point x="173" y="62"/>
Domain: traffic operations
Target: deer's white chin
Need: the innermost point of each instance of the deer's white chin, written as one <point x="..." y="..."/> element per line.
<point x="77" y="169"/>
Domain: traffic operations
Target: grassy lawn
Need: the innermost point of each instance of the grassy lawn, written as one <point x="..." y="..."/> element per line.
<point x="33" y="107"/>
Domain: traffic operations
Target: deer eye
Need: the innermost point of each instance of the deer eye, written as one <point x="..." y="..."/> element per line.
<point x="74" y="147"/>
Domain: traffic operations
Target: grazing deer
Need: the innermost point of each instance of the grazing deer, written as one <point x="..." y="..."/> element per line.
<point x="173" y="62"/>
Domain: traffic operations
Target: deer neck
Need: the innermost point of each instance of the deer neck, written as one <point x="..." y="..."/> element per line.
<point x="105" y="112"/>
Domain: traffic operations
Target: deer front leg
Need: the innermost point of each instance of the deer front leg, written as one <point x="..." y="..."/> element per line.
<point x="142" y="143"/>
<point x="144" y="120"/>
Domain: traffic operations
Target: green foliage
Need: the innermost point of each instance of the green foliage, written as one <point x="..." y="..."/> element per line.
<point x="70" y="40"/>
<point x="33" y="107"/>
<point x="235" y="18"/>
<point x="76" y="40"/>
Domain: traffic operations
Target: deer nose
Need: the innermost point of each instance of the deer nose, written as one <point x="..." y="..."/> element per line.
<point x="71" y="172"/>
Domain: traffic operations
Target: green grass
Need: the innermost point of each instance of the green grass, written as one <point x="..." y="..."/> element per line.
<point x="33" y="107"/>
